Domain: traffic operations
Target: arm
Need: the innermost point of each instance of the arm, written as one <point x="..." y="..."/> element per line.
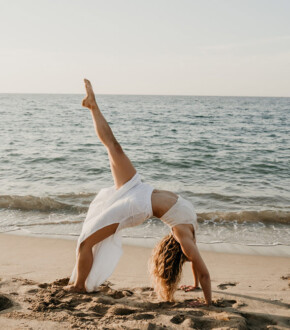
<point x="185" y="237"/>
<point x="190" y="249"/>
<point x="195" y="276"/>
<point x="184" y="234"/>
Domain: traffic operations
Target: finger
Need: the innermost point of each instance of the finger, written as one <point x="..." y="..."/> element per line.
<point x="189" y="288"/>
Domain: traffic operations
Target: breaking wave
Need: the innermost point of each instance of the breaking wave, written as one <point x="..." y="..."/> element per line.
<point x="33" y="203"/>
<point x="78" y="203"/>
<point x="265" y="216"/>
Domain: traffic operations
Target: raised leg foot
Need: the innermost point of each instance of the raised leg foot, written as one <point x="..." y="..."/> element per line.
<point x="89" y="101"/>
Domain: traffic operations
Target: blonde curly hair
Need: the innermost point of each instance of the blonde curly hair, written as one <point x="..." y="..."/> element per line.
<point x="165" y="267"/>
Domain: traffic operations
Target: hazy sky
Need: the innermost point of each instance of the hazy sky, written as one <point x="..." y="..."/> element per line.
<point x="205" y="47"/>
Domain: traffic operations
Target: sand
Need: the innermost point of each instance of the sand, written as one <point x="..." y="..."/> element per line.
<point x="249" y="291"/>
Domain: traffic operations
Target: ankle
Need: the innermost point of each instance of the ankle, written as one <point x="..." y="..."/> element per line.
<point x="94" y="107"/>
<point x="80" y="286"/>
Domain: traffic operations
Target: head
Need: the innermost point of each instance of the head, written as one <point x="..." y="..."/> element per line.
<point x="166" y="266"/>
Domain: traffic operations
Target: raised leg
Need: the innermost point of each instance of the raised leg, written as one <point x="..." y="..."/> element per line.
<point x="122" y="171"/>
<point x="121" y="166"/>
<point x="85" y="257"/>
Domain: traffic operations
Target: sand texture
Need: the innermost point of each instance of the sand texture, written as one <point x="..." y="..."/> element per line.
<point x="249" y="292"/>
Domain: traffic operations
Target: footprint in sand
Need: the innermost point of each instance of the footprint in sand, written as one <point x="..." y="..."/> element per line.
<point x="104" y="288"/>
<point x="80" y="314"/>
<point x="32" y="291"/>
<point x="43" y="285"/>
<point x="224" y="286"/>
<point x="105" y="301"/>
<point x="224" y="303"/>
<point x="189" y="322"/>
<point x="115" y="294"/>
<point x="177" y="319"/>
<point x="61" y="281"/>
<point x="5" y="303"/>
<point x="197" y="313"/>
<point x="158" y="305"/>
<point x="143" y="316"/>
<point x="99" y="309"/>
<point x="122" y="311"/>
<point x="255" y="321"/>
<point x="72" y="303"/>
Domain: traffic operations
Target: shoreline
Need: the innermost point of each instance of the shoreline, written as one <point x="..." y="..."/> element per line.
<point x="17" y="248"/>
<point x="221" y="247"/>
<point x="250" y="291"/>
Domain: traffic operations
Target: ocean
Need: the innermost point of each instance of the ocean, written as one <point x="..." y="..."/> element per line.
<point x="230" y="156"/>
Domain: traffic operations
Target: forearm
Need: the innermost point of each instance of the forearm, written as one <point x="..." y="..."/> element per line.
<point x="195" y="276"/>
<point x="206" y="288"/>
<point x="190" y="250"/>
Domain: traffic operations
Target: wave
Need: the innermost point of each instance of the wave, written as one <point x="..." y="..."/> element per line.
<point x="33" y="203"/>
<point x="78" y="203"/>
<point x="64" y="222"/>
<point x="265" y="216"/>
<point x="260" y="199"/>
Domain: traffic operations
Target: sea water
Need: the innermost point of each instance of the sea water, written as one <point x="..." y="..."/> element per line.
<point x="230" y="156"/>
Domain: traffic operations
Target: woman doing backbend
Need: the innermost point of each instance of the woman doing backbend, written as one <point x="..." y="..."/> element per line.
<point x="129" y="203"/>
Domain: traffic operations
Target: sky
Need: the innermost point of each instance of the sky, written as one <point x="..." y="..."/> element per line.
<point x="166" y="47"/>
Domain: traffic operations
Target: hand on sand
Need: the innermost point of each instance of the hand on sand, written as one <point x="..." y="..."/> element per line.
<point x="196" y="303"/>
<point x="187" y="288"/>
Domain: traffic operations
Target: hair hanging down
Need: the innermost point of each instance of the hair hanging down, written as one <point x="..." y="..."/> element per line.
<point x="165" y="267"/>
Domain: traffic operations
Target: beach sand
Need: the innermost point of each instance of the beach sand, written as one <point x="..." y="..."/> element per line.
<point x="250" y="291"/>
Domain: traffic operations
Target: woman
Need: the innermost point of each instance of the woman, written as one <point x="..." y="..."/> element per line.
<point x="129" y="203"/>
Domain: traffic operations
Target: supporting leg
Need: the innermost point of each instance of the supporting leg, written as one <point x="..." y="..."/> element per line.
<point x="121" y="166"/>
<point x="85" y="257"/>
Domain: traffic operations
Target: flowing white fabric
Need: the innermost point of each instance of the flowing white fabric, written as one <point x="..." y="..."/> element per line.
<point x="129" y="206"/>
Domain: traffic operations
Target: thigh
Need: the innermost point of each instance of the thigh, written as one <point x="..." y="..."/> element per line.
<point x="121" y="166"/>
<point x="100" y="235"/>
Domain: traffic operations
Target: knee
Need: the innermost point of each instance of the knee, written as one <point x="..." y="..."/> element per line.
<point x="116" y="148"/>
<point x="85" y="245"/>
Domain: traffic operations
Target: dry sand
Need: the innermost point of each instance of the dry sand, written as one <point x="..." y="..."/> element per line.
<point x="250" y="292"/>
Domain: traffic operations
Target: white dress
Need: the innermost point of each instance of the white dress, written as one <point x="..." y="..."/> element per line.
<point x="129" y="206"/>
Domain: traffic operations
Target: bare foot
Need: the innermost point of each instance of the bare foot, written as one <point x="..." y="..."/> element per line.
<point x="89" y="101"/>
<point x="72" y="288"/>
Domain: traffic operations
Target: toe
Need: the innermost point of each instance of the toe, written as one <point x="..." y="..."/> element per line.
<point x="88" y="83"/>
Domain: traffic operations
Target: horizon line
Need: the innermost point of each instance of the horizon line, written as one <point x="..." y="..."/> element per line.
<point x="125" y="94"/>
